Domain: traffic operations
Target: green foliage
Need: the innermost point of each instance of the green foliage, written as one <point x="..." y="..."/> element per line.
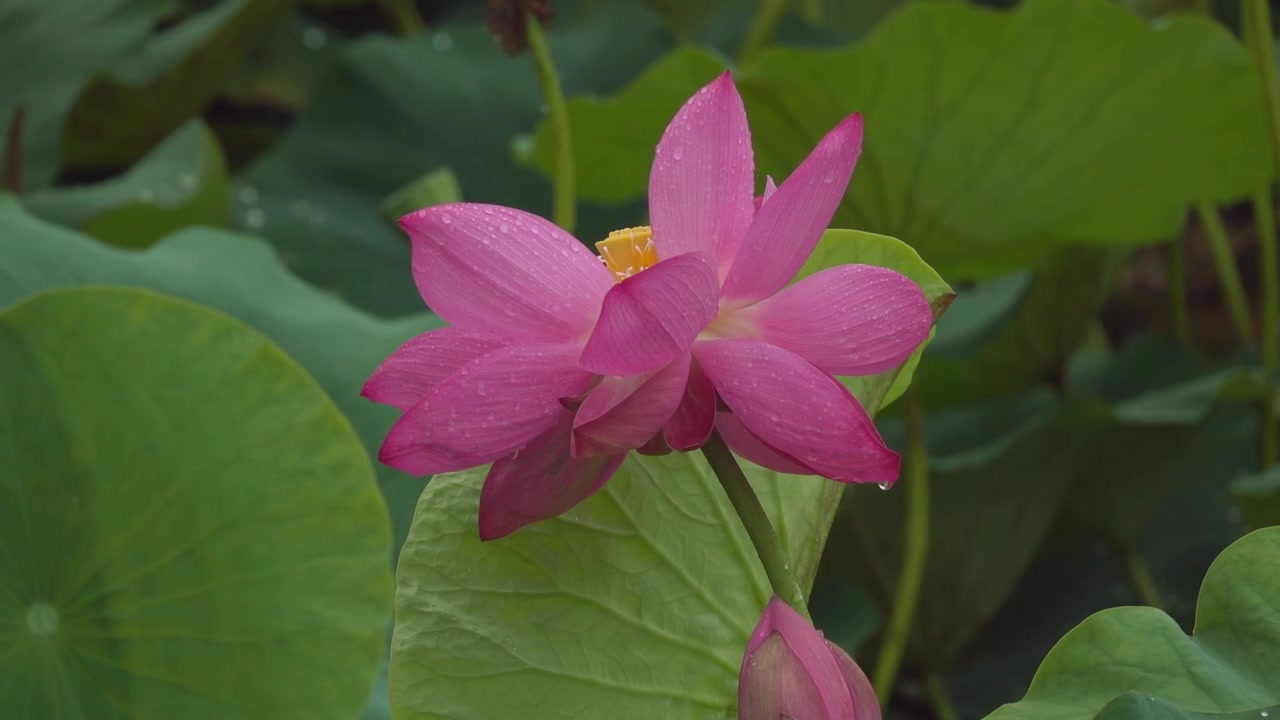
<point x="182" y="182"/>
<point x="161" y="83"/>
<point x="44" y="72"/>
<point x="1258" y="497"/>
<point x="450" y="99"/>
<point x="1026" y="337"/>
<point x="190" y="527"/>
<point x="612" y="135"/>
<point x="968" y="117"/>
<point x="240" y="276"/>
<point x="435" y="188"/>
<point x="1226" y="667"/>
<point x="1001" y="474"/>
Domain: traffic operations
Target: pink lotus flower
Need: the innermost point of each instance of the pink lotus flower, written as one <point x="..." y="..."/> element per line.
<point x="555" y="365"/>
<point x="791" y="671"/>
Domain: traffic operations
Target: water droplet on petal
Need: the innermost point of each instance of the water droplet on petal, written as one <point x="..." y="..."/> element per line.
<point x="446" y="218"/>
<point x="677" y="152"/>
<point x="503" y="227"/>
<point x="884" y="486"/>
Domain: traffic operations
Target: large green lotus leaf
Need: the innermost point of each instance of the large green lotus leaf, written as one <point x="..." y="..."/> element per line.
<point x="968" y="114"/>
<point x="1258" y="498"/>
<point x="656" y="564"/>
<point x="188" y="526"/>
<point x="164" y="82"/>
<point x="394" y="109"/>
<point x="241" y="276"/>
<point x="50" y="50"/>
<point x="992" y="137"/>
<point x="182" y="182"/>
<point x="1228" y="665"/>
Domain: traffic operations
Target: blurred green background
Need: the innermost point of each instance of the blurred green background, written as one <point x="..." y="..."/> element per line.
<point x="1093" y="177"/>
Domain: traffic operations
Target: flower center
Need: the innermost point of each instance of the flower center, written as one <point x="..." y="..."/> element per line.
<point x="628" y="251"/>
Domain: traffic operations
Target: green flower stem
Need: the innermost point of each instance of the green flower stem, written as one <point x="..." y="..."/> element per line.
<point x="763" y="28"/>
<point x="777" y="566"/>
<point x="564" y="209"/>
<point x="915" y="550"/>
<point x="1228" y="274"/>
<point x="403" y="17"/>
<point x="943" y="709"/>
<point x="1140" y="577"/>
<point x="1257" y="16"/>
<point x="1178" y="314"/>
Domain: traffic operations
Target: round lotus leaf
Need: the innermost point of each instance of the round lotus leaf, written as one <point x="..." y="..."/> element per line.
<point x="188" y="527"/>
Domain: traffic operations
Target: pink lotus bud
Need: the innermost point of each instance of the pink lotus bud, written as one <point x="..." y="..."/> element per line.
<point x="790" y="672"/>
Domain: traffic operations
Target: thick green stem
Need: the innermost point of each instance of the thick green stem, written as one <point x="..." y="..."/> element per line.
<point x="1178" y="314"/>
<point x="1228" y="274"/>
<point x="763" y="28"/>
<point x="1257" y="16"/>
<point x="1140" y="577"/>
<point x="943" y="709"/>
<point x="777" y="566"/>
<point x="564" y="210"/>
<point x="403" y="17"/>
<point x="915" y="550"/>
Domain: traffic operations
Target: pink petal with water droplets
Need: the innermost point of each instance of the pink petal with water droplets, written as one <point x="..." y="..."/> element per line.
<point x="798" y="409"/>
<point x="847" y="320"/>
<point x="747" y="446"/>
<point x="422" y="363"/>
<point x="703" y="176"/>
<point x="787" y="671"/>
<point x="787" y="228"/>
<point x="624" y="413"/>
<point x="652" y="317"/>
<point x="498" y="271"/>
<point x="769" y="189"/>
<point x="487" y="408"/>
<point x="540" y="482"/>
<point x="695" y="417"/>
